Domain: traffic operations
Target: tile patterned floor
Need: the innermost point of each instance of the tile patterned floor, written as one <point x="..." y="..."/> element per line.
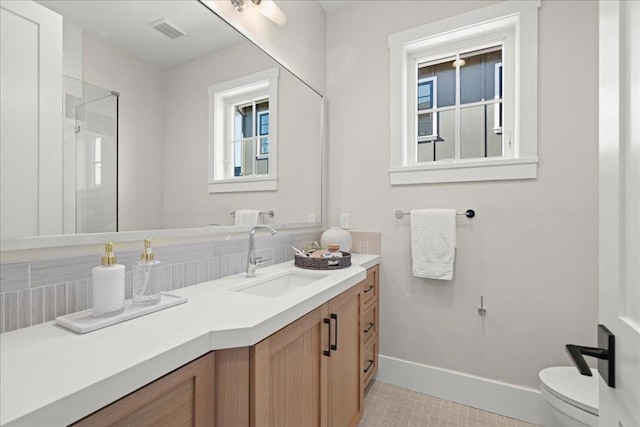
<point x="387" y="405"/>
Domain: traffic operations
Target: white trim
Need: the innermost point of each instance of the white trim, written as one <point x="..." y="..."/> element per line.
<point x="510" y="400"/>
<point x="489" y="169"/>
<point x="518" y="20"/>
<point x="242" y="184"/>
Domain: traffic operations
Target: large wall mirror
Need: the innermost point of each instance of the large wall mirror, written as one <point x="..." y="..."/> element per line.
<point x="148" y="115"/>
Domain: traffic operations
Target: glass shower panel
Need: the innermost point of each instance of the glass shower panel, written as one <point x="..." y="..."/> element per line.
<point x="96" y="157"/>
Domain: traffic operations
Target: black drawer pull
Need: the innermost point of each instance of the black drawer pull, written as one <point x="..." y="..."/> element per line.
<point x="371" y="325"/>
<point x="328" y="352"/>
<point x="366" y="291"/>
<point x="369" y="367"/>
<point x="334" y="346"/>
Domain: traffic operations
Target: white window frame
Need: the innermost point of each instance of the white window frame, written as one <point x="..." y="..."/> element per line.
<point x="497" y="77"/>
<point x="515" y="22"/>
<point x="221" y="97"/>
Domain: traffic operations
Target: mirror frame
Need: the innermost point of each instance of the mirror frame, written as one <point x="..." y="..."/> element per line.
<point x="67" y="240"/>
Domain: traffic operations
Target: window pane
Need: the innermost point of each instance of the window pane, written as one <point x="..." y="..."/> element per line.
<point x="477" y="135"/>
<point x="494" y="134"/>
<point x="243" y="120"/>
<point x="477" y="75"/>
<point x="425" y="124"/>
<point x="264" y="146"/>
<point x="263" y="123"/>
<point x="262" y="166"/>
<point x="243" y="156"/>
<point x="445" y="143"/>
<point x="446" y="76"/>
<point x="425" y="95"/>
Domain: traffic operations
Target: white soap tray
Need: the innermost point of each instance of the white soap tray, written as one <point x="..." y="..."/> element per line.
<point x="82" y="321"/>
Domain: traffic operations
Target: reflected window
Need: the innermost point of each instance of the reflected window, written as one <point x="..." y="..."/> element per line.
<point x="242" y="133"/>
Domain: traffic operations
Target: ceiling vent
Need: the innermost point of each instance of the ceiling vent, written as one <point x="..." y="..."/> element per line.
<point x="166" y="28"/>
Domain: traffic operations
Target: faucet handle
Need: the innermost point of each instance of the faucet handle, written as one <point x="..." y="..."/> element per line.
<point x="260" y="261"/>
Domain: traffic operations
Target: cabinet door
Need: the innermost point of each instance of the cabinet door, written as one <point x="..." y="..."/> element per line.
<point x="289" y="374"/>
<point x="181" y="398"/>
<point x="345" y="396"/>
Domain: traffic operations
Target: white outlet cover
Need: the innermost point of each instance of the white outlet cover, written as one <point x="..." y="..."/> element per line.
<point x="311" y="217"/>
<point x="344" y="220"/>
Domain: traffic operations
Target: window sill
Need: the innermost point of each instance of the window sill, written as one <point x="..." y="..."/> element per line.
<point x="465" y="171"/>
<point x="241" y="184"/>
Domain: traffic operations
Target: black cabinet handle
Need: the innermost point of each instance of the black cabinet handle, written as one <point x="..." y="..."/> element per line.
<point x="328" y="323"/>
<point x="366" y="291"/>
<point x="369" y="367"/>
<point x="334" y="346"/>
<point x="371" y="325"/>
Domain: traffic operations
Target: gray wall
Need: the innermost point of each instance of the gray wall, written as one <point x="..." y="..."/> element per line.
<point x="531" y="250"/>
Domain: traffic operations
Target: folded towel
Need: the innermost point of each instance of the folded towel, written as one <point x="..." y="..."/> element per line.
<point x="247" y="217"/>
<point x="433" y="243"/>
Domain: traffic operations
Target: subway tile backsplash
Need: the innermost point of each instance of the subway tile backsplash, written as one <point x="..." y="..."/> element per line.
<point x="35" y="292"/>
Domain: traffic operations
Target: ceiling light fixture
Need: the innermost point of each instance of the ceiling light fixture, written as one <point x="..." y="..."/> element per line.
<point x="266" y="7"/>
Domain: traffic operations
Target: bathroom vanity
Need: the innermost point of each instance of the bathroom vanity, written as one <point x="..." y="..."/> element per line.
<point x="227" y="357"/>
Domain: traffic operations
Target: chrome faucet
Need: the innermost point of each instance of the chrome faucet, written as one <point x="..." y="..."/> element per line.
<point x="252" y="261"/>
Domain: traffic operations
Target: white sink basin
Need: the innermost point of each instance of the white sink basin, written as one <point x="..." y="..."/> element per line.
<point x="281" y="284"/>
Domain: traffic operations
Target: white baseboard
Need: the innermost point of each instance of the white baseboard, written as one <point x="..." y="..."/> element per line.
<point x="510" y="400"/>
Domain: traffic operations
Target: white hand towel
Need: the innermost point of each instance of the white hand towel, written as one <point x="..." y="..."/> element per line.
<point x="433" y="243"/>
<point x="247" y="217"/>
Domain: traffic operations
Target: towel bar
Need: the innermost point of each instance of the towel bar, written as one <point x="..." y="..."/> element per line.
<point x="469" y="213"/>
<point x="271" y="213"/>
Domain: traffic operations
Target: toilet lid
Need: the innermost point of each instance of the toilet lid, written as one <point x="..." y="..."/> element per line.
<point x="566" y="383"/>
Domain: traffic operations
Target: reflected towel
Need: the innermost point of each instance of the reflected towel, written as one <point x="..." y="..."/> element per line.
<point x="247" y="217"/>
<point x="433" y="243"/>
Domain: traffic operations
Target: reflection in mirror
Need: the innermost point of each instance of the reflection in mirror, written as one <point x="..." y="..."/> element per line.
<point x="122" y="141"/>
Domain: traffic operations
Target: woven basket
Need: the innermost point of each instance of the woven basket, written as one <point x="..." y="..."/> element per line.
<point x="323" y="263"/>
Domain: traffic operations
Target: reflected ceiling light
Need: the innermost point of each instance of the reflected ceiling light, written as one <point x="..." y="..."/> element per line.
<point x="266" y="7"/>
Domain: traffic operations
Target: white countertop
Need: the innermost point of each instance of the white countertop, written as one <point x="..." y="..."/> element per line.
<point x="52" y="376"/>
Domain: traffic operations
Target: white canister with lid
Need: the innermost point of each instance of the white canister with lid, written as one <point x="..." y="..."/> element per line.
<point x="339" y="236"/>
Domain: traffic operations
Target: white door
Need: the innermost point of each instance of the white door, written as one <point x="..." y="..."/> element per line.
<point x="30" y="119"/>
<point x="619" y="211"/>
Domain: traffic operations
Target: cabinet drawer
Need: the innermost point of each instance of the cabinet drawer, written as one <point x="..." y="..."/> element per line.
<point x="370" y="323"/>
<point x="370" y="286"/>
<point x="369" y="362"/>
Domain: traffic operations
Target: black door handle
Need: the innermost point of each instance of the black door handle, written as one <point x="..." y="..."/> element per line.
<point x="334" y="346"/>
<point x="328" y="323"/>
<point x="605" y="354"/>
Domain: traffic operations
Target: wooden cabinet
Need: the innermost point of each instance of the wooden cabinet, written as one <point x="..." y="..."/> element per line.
<point x="370" y="320"/>
<point x="345" y="398"/>
<point x="181" y="398"/>
<point x="288" y="372"/>
<point x="313" y="372"/>
<point x="307" y="374"/>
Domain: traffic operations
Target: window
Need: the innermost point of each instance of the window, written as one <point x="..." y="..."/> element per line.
<point x="464" y="97"/>
<point x="243" y="134"/>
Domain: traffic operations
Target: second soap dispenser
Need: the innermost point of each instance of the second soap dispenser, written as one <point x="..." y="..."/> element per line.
<point x="146" y="278"/>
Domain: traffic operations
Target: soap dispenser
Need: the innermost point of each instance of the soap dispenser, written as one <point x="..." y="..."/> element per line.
<point x="146" y="278"/>
<point x="108" y="285"/>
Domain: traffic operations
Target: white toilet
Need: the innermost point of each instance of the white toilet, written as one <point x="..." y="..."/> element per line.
<point x="568" y="398"/>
